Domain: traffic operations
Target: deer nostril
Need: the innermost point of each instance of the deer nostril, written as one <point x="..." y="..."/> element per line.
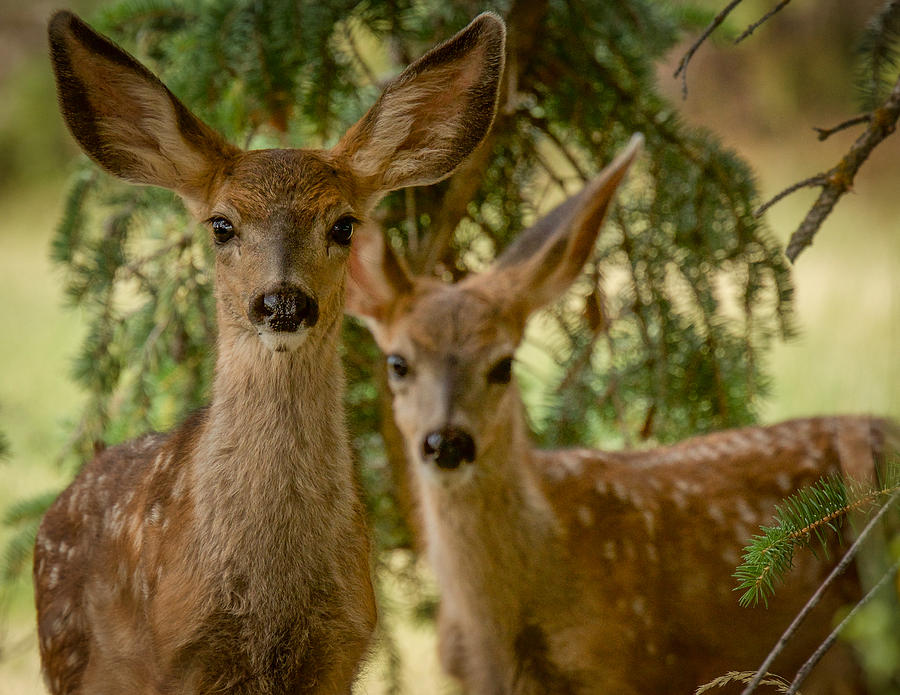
<point x="284" y="309"/>
<point x="449" y="447"/>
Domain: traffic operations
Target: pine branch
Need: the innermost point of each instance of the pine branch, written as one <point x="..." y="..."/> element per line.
<point x="23" y="517"/>
<point x="804" y="516"/>
<point x="817" y="596"/>
<point x="839" y="180"/>
<point x="825" y="133"/>
<point x="879" y="49"/>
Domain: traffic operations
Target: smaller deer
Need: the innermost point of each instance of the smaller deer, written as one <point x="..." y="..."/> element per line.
<point x="231" y="554"/>
<point x="580" y="571"/>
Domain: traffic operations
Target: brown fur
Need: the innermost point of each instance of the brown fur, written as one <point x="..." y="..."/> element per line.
<point x="231" y="555"/>
<point x="586" y="571"/>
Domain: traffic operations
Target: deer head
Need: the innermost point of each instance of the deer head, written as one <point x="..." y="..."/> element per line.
<point x="281" y="220"/>
<point x="450" y="347"/>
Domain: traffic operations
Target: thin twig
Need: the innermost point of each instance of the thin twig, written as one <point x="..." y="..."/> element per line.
<point x="762" y="20"/>
<point x="817" y="180"/>
<point x="840" y="178"/>
<point x="543" y="127"/>
<point x="686" y="58"/>
<point x="817" y="596"/>
<point x="367" y="71"/>
<point x="830" y="640"/>
<point x="825" y="133"/>
<point x="412" y="228"/>
<point x="180" y="242"/>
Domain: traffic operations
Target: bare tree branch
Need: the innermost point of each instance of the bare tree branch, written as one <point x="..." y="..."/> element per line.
<point x="840" y="178"/>
<point x="686" y="58"/>
<point x="830" y="640"/>
<point x="825" y="133"/>
<point x="817" y="180"/>
<point x="542" y="125"/>
<point x="762" y="20"/>
<point x="360" y="61"/>
<point x="817" y="596"/>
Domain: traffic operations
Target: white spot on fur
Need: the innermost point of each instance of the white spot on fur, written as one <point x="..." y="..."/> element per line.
<point x="715" y="513"/>
<point x="585" y="516"/>
<point x="730" y="556"/>
<point x="649" y="521"/>
<point x="178" y="487"/>
<point x="573" y="464"/>
<point x="639" y="605"/>
<point x="53" y="579"/>
<point x="609" y="550"/>
<point x="742" y="533"/>
<point x="602" y="488"/>
<point x="680" y="500"/>
<point x="783" y="480"/>
<point x="748" y="516"/>
<point x="687" y="487"/>
<point x="155" y="514"/>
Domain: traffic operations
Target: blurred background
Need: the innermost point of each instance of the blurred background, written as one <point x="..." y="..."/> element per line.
<point x="760" y="98"/>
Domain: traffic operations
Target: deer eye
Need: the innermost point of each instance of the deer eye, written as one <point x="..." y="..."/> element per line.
<point x="223" y="230"/>
<point x="501" y="373"/>
<point x="397" y="366"/>
<point x="342" y="230"/>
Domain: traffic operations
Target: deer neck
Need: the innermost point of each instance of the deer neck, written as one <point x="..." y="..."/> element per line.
<point x="274" y="446"/>
<point x="492" y="527"/>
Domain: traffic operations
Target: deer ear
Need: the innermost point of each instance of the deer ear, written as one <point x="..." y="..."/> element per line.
<point x="377" y="277"/>
<point x="548" y="257"/>
<point x="433" y="115"/>
<point x="125" y="119"/>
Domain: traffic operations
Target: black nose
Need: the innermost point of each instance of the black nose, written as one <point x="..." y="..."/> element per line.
<point x="284" y="308"/>
<point x="449" y="447"/>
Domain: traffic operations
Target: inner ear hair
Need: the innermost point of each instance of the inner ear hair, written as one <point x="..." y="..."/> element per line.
<point x="124" y="118"/>
<point x="378" y="276"/>
<point x="434" y="114"/>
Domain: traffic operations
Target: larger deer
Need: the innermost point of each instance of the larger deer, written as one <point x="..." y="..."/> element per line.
<point x="231" y="555"/>
<point x="580" y="571"/>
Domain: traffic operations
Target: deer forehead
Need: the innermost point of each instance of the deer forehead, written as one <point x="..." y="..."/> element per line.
<point x="304" y="185"/>
<point x="444" y="319"/>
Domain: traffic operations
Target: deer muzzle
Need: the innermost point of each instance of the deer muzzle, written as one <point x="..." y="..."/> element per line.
<point x="284" y="309"/>
<point x="449" y="447"/>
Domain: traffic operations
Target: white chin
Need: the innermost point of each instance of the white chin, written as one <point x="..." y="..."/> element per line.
<point x="447" y="478"/>
<point x="283" y="342"/>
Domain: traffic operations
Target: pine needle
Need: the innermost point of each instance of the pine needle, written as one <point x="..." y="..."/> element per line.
<point x="770" y="679"/>
<point x="812" y="518"/>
